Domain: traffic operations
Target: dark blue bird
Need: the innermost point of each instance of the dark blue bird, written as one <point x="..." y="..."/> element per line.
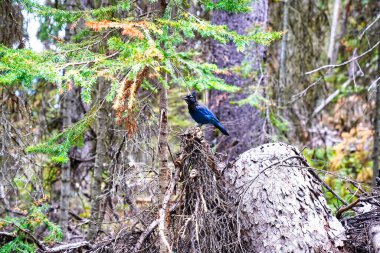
<point x="201" y="114"/>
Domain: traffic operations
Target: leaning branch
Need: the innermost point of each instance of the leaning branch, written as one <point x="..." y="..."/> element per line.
<point x="330" y="98"/>
<point x="346" y="208"/>
<point x="332" y="66"/>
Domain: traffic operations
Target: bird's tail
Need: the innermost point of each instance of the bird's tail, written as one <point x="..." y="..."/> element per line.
<point x="221" y="128"/>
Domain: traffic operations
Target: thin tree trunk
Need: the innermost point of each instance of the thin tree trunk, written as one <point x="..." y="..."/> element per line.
<point x="163" y="155"/>
<point x="376" y="137"/>
<point x="64" y="199"/>
<point x="101" y="160"/>
<point x="331" y="54"/>
<point x="282" y="74"/>
<point x="163" y="169"/>
<point x="68" y="111"/>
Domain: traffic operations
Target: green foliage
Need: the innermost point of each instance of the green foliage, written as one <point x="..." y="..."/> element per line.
<point x="152" y="44"/>
<point x="58" y="146"/>
<point x="24" y="66"/>
<point x="120" y="51"/>
<point x="339" y="163"/>
<point x="278" y="122"/>
<point x="233" y="6"/>
<point x="21" y="226"/>
<point x="64" y="16"/>
<point x="188" y="25"/>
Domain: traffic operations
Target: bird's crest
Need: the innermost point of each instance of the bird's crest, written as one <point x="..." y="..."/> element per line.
<point x="191" y="97"/>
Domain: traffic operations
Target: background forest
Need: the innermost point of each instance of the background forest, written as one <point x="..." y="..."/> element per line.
<point x="93" y="121"/>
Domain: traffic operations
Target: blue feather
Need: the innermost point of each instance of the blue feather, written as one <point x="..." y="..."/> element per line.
<point x="202" y="115"/>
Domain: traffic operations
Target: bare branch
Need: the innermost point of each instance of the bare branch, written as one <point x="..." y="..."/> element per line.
<point x="346" y="208"/>
<point x="332" y="66"/>
<point x="68" y="246"/>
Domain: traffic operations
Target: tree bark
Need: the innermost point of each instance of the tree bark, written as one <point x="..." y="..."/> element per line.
<point x="11" y="21"/>
<point x="281" y="207"/>
<point x="305" y="42"/>
<point x="243" y="123"/>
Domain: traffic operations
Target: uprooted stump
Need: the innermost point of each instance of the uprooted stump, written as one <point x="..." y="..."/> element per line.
<point x="205" y="221"/>
<point x="363" y="231"/>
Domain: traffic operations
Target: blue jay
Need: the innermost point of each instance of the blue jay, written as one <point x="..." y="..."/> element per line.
<point x="201" y="114"/>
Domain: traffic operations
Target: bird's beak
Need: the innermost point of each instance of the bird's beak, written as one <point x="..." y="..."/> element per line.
<point x="184" y="98"/>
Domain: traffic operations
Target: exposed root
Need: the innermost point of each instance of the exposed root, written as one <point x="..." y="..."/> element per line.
<point x="205" y="221"/>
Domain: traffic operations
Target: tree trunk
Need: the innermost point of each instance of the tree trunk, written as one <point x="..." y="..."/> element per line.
<point x="305" y="42"/>
<point x="282" y="71"/>
<point x="101" y="159"/>
<point x="70" y="116"/>
<point x="282" y="208"/>
<point x="11" y="22"/>
<point x="376" y="134"/>
<point x="163" y="169"/>
<point x="71" y="112"/>
<point x="331" y="53"/>
<point x="243" y="123"/>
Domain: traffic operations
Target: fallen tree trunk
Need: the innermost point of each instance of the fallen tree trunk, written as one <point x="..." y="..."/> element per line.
<point x="281" y="207"/>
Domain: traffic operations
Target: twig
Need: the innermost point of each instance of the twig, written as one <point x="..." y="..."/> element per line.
<point x="346" y="208"/>
<point x="162" y="212"/>
<point x="368" y="27"/>
<point x="329" y="99"/>
<point x="88" y="62"/>
<point x="31" y="236"/>
<point x="312" y="172"/>
<point x="164" y="209"/>
<point x="6" y="234"/>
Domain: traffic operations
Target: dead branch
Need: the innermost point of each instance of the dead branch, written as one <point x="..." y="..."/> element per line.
<point x="163" y="212"/>
<point x="331" y="66"/>
<point x="329" y="99"/>
<point x="346" y="208"/>
<point x="311" y="170"/>
<point x="68" y="246"/>
<point x="145" y="234"/>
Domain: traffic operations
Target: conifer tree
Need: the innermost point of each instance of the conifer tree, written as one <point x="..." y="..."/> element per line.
<point x="129" y="52"/>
